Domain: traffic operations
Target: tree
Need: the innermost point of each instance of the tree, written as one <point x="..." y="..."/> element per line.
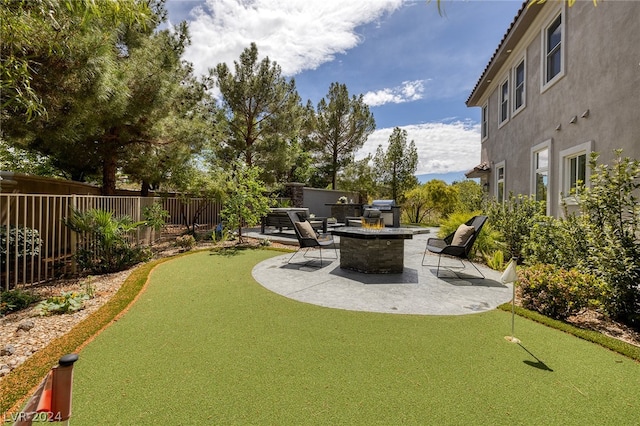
<point x="22" y="161"/>
<point x="435" y="196"/>
<point x="262" y="110"/>
<point x="244" y="203"/>
<point x="108" y="97"/>
<point x="159" y="88"/>
<point x="174" y="140"/>
<point x="396" y="167"/>
<point x="470" y="196"/>
<point x="341" y="126"/>
<point x="359" y="177"/>
<point x="37" y="34"/>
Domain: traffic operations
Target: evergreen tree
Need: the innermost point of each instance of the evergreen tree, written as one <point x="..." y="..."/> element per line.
<point x="395" y="168"/>
<point x="109" y="97"/>
<point x="341" y="126"/>
<point x="263" y="114"/>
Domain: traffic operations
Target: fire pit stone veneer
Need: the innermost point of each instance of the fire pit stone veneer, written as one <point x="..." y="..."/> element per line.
<point x="372" y="251"/>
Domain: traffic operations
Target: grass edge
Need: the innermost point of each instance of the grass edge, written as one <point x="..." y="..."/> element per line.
<point x="613" y="344"/>
<point x="16" y="386"/>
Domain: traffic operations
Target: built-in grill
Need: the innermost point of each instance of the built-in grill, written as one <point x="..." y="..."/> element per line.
<point x="388" y="210"/>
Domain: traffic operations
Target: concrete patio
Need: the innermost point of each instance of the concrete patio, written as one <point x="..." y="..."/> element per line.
<point x="416" y="291"/>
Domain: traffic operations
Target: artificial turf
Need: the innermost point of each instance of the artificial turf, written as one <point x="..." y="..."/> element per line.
<point x="206" y="344"/>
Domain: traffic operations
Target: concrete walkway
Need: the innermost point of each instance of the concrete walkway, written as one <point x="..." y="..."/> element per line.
<point x="416" y="291"/>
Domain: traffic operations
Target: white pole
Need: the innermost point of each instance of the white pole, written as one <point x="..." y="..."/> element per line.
<point x="510" y="276"/>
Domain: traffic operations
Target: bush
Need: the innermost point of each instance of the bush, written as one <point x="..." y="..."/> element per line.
<point x="561" y="242"/>
<point x="559" y="293"/>
<point x="611" y="209"/>
<point x="514" y="219"/>
<point x="16" y="300"/>
<point x="104" y="244"/>
<point x="22" y="242"/>
<point x="186" y="242"/>
<point x="155" y="216"/>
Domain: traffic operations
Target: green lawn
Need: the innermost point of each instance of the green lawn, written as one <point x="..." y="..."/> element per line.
<point x="206" y="344"/>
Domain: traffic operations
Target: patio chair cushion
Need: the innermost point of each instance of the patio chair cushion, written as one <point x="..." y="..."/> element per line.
<point x="462" y="235"/>
<point x="305" y="229"/>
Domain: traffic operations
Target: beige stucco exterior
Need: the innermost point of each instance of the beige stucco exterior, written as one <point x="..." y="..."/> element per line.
<point x="593" y="105"/>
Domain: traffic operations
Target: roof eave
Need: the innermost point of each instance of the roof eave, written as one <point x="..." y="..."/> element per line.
<point x="516" y="31"/>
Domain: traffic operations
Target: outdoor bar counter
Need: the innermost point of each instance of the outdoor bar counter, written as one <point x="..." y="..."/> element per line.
<point x="373" y="251"/>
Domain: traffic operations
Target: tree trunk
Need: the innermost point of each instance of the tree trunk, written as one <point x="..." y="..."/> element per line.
<point x="144" y="190"/>
<point x="109" y="169"/>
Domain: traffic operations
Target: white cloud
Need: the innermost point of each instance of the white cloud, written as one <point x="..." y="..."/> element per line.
<point x="297" y="34"/>
<point x="442" y="147"/>
<point x="407" y="92"/>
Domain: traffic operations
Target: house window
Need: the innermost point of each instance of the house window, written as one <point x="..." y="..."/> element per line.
<point x="541" y="174"/>
<point x="485" y="121"/>
<point x="574" y="169"/>
<point x="504" y="101"/>
<point x="577" y="172"/>
<point x="553" y="63"/>
<point x="519" y="89"/>
<point x="500" y="182"/>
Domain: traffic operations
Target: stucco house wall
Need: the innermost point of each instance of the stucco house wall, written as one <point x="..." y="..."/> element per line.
<point x="593" y="106"/>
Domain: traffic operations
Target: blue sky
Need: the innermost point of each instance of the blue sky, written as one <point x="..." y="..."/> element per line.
<point x="414" y="67"/>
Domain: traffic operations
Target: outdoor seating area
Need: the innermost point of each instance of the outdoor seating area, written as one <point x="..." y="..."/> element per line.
<point x="414" y="290"/>
<point x="458" y="244"/>
<point x="307" y="237"/>
<point x="280" y="219"/>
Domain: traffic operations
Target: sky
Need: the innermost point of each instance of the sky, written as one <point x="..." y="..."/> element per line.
<point x="414" y="66"/>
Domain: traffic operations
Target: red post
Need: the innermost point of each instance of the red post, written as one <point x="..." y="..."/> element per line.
<point x="62" y="388"/>
<point x="52" y="400"/>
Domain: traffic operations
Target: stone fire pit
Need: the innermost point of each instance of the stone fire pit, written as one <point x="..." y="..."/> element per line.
<point x="373" y="251"/>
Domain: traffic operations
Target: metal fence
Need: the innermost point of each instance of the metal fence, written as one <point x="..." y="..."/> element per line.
<point x="36" y="245"/>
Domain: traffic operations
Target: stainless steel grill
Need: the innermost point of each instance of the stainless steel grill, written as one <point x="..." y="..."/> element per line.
<point x="382" y="205"/>
<point x="389" y="211"/>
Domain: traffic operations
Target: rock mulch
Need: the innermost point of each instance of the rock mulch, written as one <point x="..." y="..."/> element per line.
<point x="25" y="332"/>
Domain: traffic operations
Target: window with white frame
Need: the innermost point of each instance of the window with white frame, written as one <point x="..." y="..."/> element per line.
<point x="504" y="101"/>
<point x="540" y="168"/>
<point x="519" y="86"/>
<point x="485" y="121"/>
<point x="574" y="169"/>
<point x="577" y="171"/>
<point x="500" y="182"/>
<point x="553" y="49"/>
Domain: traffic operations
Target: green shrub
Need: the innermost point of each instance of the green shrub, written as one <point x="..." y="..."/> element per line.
<point x="67" y="302"/>
<point x="495" y="260"/>
<point x="15" y="300"/>
<point x="559" y="293"/>
<point x="561" y="242"/>
<point x="104" y="245"/>
<point x="18" y="241"/>
<point x="514" y="219"/>
<point x="264" y="242"/>
<point x="186" y="242"/>
<point x="611" y="209"/>
<point x="155" y="216"/>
